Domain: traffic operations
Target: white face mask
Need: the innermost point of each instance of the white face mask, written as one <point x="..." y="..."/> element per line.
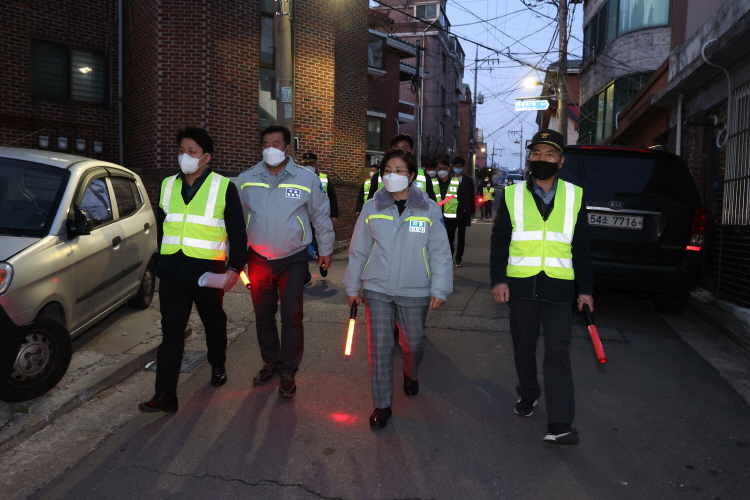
<point x="395" y="183"/>
<point x="431" y="173"/>
<point x="188" y="164"/>
<point x="273" y="157"/>
<point x="442" y="174"/>
<point x="372" y="174"/>
<point x="458" y="171"/>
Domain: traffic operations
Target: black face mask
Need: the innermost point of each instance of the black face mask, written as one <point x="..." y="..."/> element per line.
<point x="543" y="170"/>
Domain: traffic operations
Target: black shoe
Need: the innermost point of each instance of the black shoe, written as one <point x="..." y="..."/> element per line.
<point x="561" y="434"/>
<point x="411" y="387"/>
<point x="287" y="387"/>
<point x="459" y="263"/>
<point x="266" y="373"/>
<point x="165" y="402"/>
<point x="218" y="375"/>
<point x="525" y="407"/>
<point x="379" y="418"/>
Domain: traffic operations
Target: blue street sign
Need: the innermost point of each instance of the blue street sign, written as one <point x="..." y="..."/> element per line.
<point x="531" y="105"/>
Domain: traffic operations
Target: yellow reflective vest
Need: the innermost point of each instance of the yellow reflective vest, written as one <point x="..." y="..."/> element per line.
<point x="196" y="228"/>
<point x="488" y="194"/>
<point x="450" y="207"/>
<point x="324" y="182"/>
<point x="537" y="245"/>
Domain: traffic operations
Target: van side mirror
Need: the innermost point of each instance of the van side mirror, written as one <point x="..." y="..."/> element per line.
<point x="79" y="222"/>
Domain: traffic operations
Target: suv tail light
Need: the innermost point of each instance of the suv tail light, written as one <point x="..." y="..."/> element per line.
<point x="698" y="233"/>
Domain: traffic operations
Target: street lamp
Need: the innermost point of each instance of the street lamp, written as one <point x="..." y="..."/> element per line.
<point x="531" y="82"/>
<point x="483" y="150"/>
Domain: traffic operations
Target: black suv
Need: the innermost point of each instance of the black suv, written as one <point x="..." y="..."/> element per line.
<point x="647" y="222"/>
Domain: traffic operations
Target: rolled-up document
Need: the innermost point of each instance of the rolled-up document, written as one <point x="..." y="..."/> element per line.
<point x="212" y="280"/>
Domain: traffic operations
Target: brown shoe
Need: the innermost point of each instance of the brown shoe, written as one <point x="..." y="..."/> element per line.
<point x="266" y="374"/>
<point x="287" y="387"/>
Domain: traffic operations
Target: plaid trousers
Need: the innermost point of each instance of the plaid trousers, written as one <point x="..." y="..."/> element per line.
<point x="383" y="311"/>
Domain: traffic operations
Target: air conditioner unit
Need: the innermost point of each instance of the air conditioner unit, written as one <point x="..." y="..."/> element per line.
<point x="458" y="123"/>
<point x="447" y="112"/>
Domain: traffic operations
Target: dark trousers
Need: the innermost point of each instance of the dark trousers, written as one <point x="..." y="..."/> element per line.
<point x="487" y="209"/>
<point x="451" y="225"/>
<point x="176" y="299"/>
<point x="275" y="282"/>
<point x="556" y="319"/>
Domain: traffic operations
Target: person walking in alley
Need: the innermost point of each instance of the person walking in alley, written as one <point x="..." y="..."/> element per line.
<point x="403" y="142"/>
<point x="199" y="222"/>
<point x="310" y="162"/>
<point x="399" y="254"/>
<point x="281" y="202"/>
<point x="539" y="254"/>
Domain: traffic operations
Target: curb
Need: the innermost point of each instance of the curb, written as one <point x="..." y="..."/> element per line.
<point x="724" y="323"/>
<point x="81" y="392"/>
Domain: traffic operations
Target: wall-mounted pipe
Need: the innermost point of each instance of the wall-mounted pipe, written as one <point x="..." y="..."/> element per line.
<point x="723" y="135"/>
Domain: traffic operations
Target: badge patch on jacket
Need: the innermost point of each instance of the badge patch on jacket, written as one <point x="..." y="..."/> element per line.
<point x="292" y="193"/>
<point x="417" y="226"/>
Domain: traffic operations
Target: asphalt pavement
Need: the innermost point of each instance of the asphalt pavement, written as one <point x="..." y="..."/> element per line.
<point x="656" y="421"/>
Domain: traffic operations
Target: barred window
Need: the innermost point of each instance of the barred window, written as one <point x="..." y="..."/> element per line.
<point x="66" y="73"/>
<point x="736" y="209"/>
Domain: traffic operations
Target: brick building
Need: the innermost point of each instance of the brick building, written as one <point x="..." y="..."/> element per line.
<point x="184" y="62"/>
<point x="442" y="69"/>
<point x="387" y="112"/>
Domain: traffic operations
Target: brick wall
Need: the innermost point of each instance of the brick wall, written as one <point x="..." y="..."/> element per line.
<point x="85" y="23"/>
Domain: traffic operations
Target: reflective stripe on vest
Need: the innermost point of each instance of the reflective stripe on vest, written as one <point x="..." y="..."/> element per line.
<point x="367" y="185"/>
<point x="198" y="228"/>
<point x="324" y="182"/>
<point x="450" y="207"/>
<point x="538" y="245"/>
<point x="421" y="180"/>
<point x="488" y="194"/>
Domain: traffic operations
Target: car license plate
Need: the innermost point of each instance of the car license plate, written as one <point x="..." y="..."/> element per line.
<point x="610" y="220"/>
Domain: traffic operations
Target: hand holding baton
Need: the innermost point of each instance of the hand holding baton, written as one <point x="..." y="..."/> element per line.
<point x="594" y="334"/>
<point x="244" y="279"/>
<point x="350" y="333"/>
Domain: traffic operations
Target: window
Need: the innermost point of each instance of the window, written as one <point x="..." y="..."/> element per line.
<point x="66" y="73"/>
<point x="598" y="114"/>
<point x="375" y="52"/>
<point x="126" y="196"/>
<point x="427" y="11"/>
<point x="445" y="62"/>
<point x="619" y="17"/>
<point x="266" y="40"/>
<point x="96" y="201"/>
<point x="737" y="173"/>
<point x="374" y="125"/>
<point x="267" y="97"/>
<point x="442" y="97"/>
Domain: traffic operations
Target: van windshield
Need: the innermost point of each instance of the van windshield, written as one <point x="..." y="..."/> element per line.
<point x="30" y="194"/>
<point x="607" y="176"/>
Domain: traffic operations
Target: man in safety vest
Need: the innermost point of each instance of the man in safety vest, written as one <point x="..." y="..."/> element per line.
<point x="310" y="162"/>
<point x="488" y="198"/>
<point x="539" y="255"/>
<point x="364" y="190"/>
<point x="199" y="224"/>
<point x="405" y="143"/>
<point x="282" y="203"/>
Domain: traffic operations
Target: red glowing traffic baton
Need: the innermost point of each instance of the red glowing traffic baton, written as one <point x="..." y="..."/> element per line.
<point x="446" y="200"/>
<point x="244" y="279"/>
<point x="350" y="333"/>
<point x="594" y="334"/>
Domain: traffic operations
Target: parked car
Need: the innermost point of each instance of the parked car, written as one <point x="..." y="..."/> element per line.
<point x="77" y="240"/>
<point x="647" y="221"/>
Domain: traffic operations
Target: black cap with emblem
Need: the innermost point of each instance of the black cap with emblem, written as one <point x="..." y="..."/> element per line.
<point x="548" y="136"/>
<point x="309" y="158"/>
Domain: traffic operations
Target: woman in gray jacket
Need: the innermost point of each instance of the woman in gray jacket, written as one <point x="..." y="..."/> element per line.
<point x="399" y="254"/>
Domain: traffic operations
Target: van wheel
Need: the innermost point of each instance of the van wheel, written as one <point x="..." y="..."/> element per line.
<point x="671" y="304"/>
<point x="42" y="361"/>
<point x="145" y="294"/>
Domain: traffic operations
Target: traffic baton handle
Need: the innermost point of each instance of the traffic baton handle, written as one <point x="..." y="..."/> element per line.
<point x="323" y="272"/>
<point x="594" y="334"/>
<point x="245" y="279"/>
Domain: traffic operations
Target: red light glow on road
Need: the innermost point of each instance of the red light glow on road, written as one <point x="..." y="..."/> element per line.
<point x="343" y="418"/>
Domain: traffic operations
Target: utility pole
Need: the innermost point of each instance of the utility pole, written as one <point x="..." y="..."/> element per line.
<point x="282" y="30"/>
<point x="562" y="72"/>
<point x="520" y="154"/>
<point x="473" y="121"/>
<point x="420" y="103"/>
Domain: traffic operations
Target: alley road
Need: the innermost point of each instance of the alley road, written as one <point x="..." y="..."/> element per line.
<point x="656" y="422"/>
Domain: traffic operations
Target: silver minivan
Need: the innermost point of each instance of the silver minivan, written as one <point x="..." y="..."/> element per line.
<point x="77" y="240"/>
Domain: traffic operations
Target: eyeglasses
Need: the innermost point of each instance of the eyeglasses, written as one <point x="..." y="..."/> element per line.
<point x="399" y="171"/>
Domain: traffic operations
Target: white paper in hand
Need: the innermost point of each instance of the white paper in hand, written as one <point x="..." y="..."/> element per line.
<point x="212" y="280"/>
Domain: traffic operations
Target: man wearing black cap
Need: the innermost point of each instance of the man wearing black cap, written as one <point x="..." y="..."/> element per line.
<point x="310" y="162"/>
<point x="539" y="255"/>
